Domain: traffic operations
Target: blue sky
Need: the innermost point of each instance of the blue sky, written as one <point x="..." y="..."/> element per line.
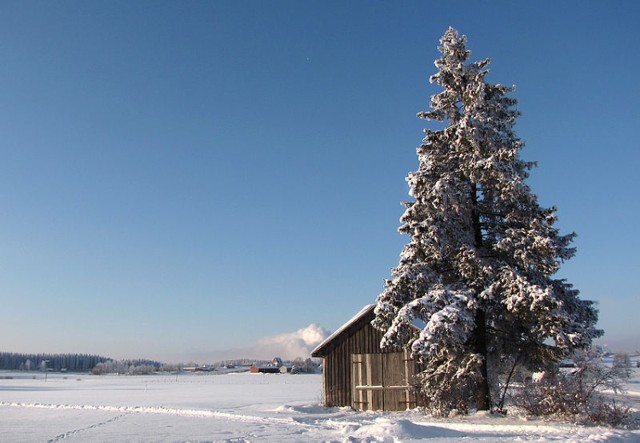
<point x="180" y="178"/>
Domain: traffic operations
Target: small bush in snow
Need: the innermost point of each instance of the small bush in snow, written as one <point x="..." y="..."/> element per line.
<point x="577" y="393"/>
<point x="610" y="413"/>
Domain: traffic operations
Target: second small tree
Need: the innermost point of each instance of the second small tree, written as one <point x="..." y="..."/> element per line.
<point x="477" y="276"/>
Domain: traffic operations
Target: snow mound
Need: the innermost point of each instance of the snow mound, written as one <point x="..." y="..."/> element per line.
<point x="385" y="430"/>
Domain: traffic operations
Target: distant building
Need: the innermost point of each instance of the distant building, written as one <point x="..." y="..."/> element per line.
<point x="269" y="369"/>
<point x="276" y="366"/>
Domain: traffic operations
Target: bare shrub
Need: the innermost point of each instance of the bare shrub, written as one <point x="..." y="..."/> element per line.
<point x="576" y="393"/>
<point x="610" y="413"/>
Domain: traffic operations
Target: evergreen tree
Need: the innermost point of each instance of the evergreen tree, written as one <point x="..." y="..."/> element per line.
<point x="477" y="276"/>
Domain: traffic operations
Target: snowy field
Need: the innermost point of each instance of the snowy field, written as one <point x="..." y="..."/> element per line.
<point x="239" y="408"/>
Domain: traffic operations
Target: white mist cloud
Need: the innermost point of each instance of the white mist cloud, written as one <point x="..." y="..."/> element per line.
<point x="294" y="344"/>
<point x="288" y="346"/>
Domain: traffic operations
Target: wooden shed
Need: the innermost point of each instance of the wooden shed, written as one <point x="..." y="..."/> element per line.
<point x="357" y="373"/>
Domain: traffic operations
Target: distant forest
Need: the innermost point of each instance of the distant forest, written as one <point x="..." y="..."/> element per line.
<point x="96" y="364"/>
<point x="58" y="362"/>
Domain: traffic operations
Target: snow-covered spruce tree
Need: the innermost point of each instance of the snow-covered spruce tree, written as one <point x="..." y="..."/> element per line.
<point x="477" y="274"/>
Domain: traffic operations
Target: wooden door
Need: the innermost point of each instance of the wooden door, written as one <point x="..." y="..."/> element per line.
<point x="382" y="382"/>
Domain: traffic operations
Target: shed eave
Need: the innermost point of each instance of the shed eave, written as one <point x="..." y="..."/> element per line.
<point x="319" y="351"/>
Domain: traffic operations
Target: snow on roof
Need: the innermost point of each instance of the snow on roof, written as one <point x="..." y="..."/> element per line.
<point x="345" y="326"/>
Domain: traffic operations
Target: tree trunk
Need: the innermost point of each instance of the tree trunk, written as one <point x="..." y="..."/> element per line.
<point x="483" y="395"/>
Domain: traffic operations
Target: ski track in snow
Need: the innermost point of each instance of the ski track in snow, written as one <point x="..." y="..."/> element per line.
<point x="157" y="410"/>
<point x="308" y="422"/>
<point x="86" y="428"/>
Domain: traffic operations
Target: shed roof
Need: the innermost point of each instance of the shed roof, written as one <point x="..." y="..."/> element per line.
<point x="364" y="316"/>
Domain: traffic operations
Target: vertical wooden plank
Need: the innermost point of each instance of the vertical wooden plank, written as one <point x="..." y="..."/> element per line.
<point x="406" y="381"/>
<point x="325" y="382"/>
<point x="363" y="397"/>
<point x="337" y="380"/>
<point x="346" y="370"/>
<point x="355" y="362"/>
<point x="366" y="381"/>
<point x="331" y="388"/>
<point x="393" y="365"/>
<point x="326" y="371"/>
<point x="366" y="339"/>
<point x="375" y="379"/>
<point x="358" y="376"/>
<point x="340" y="377"/>
<point x="409" y="373"/>
<point x="332" y="382"/>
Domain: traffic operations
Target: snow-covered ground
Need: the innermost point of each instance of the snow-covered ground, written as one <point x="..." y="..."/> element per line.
<point x="237" y="408"/>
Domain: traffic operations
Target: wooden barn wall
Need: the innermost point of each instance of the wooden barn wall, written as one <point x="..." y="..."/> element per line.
<point x="337" y="363"/>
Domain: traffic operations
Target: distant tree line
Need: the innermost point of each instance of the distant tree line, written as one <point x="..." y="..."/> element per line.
<point x="56" y="362"/>
<point x="130" y="367"/>
<point x="298" y="365"/>
<point x="97" y="364"/>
